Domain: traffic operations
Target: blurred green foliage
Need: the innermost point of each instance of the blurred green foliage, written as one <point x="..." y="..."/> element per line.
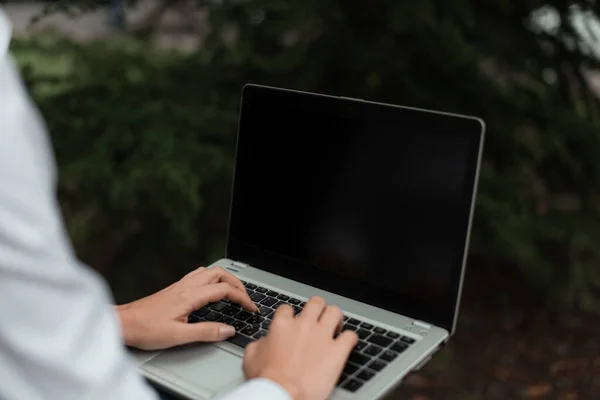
<point x="144" y="143"/>
<point x="145" y="140"/>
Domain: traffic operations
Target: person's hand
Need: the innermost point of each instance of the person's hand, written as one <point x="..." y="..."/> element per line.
<point x="159" y="321"/>
<point x="301" y="353"/>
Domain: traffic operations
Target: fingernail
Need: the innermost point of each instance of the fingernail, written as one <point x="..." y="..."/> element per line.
<point x="226" y="331"/>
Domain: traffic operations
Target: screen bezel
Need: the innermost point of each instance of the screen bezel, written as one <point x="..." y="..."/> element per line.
<point x="442" y="315"/>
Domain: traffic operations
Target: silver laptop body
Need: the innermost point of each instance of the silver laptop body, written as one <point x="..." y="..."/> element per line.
<point x="396" y="342"/>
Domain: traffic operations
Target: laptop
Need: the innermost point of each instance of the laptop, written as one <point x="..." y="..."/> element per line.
<point x="368" y="205"/>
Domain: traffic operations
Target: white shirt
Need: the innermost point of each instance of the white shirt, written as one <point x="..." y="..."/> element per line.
<point x="59" y="337"/>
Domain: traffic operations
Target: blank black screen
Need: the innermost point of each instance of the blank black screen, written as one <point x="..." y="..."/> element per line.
<point x="338" y="194"/>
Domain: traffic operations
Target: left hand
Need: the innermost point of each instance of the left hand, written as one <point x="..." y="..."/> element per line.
<point x="159" y="321"/>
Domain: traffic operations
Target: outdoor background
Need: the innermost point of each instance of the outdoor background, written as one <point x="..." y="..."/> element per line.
<point x="143" y="119"/>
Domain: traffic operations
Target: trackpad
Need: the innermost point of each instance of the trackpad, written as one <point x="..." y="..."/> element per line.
<point x="203" y="368"/>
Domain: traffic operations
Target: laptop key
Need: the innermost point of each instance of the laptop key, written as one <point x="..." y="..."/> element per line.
<point x="345" y="318"/>
<point x="201" y="312"/>
<point x="359" y="358"/>
<point x="377" y="365"/>
<point x="343" y="377"/>
<point x="294" y="302"/>
<point x="283" y="297"/>
<point x="388" y="355"/>
<point x="365" y="375"/>
<point x="269" y="301"/>
<point x="230" y="311"/>
<point x="238" y="325"/>
<point x="257" y="297"/>
<point x="266" y="324"/>
<point x="399" y="347"/>
<point x="272" y="293"/>
<point x="243" y="315"/>
<point x="218" y="306"/>
<point x="372" y="350"/>
<point x="352" y="385"/>
<point x="269" y="313"/>
<point x="240" y="340"/>
<point x="379" y="330"/>
<point x="250" y="330"/>
<point x="361" y="345"/>
<point x="212" y="316"/>
<point x="393" y="335"/>
<point x="380" y="340"/>
<point x="408" y="340"/>
<point x="255" y="320"/>
<point x="260" y="334"/>
<point x="366" y="325"/>
<point x="251" y="286"/>
<point x="349" y="328"/>
<point x="350" y="368"/>
<point x="227" y="320"/>
<point x="244" y="282"/>
<point x="353" y="321"/>
<point x="264" y="310"/>
<point x="363" y="333"/>
<point x="261" y="289"/>
<point x="192" y="319"/>
<point x="297" y="309"/>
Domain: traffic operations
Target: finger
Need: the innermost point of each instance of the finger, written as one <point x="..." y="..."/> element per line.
<point x="243" y="298"/>
<point x="345" y="342"/>
<point x="218" y="274"/>
<point x="203" y="295"/>
<point x="332" y="319"/>
<point x="284" y="311"/>
<point x="252" y="349"/>
<point x="340" y="326"/>
<point x="249" y="363"/>
<point x="313" y="309"/>
<point x="214" y="275"/>
<point x="203" y="332"/>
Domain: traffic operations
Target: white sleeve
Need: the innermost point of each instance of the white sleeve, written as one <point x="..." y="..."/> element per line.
<point x="59" y="338"/>
<point x="258" y="389"/>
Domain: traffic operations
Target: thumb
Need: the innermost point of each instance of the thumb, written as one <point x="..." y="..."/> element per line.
<point x="205" y="332"/>
<point x="252" y="349"/>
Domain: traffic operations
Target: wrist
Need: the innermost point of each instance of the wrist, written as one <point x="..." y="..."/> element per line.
<point x="128" y="325"/>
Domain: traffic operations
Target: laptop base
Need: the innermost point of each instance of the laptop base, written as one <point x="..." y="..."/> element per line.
<point x="204" y="371"/>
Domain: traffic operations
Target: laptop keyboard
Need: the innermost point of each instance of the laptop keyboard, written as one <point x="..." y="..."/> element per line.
<point x="376" y="348"/>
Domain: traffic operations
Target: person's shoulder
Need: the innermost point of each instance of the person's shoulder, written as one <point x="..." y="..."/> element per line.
<point x="5" y="33"/>
<point x="13" y="97"/>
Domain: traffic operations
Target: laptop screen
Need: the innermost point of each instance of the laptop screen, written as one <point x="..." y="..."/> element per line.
<point x="368" y="201"/>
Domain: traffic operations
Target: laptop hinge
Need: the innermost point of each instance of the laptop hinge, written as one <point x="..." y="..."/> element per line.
<point x="238" y="264"/>
<point x="422" y="324"/>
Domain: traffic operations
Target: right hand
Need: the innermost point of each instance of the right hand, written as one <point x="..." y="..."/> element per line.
<point x="300" y="353"/>
<point x="160" y="321"/>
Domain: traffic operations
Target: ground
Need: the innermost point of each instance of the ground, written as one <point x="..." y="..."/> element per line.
<point x="512" y="351"/>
